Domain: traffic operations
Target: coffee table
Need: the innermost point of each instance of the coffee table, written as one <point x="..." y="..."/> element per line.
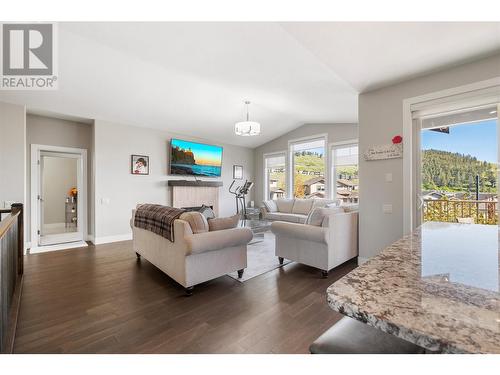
<point x="258" y="228"/>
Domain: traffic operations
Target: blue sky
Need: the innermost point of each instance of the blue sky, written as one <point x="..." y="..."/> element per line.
<point x="203" y="153"/>
<point x="478" y="139"/>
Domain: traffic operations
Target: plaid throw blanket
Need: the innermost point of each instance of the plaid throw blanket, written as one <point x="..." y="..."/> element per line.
<point x="157" y="219"/>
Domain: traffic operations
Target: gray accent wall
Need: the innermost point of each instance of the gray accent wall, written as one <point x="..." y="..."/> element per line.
<point x="335" y="132"/>
<point x="117" y="191"/>
<point x="381" y="118"/>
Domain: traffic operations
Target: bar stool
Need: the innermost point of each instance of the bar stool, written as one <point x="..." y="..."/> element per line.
<point x="349" y="336"/>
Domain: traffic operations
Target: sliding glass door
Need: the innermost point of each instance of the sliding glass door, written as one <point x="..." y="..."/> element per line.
<point x="458" y="167"/>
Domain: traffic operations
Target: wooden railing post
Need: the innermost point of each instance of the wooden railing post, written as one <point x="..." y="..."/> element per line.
<point x="18" y="207"/>
<point x="11" y="274"/>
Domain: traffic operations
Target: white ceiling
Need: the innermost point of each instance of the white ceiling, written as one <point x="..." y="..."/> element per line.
<point x="192" y="78"/>
<point x="369" y="55"/>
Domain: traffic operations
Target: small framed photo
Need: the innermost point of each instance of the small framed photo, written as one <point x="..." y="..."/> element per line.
<point x="238" y="172"/>
<point x="139" y="164"/>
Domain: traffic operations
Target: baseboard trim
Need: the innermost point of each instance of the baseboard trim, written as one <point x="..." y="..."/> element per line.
<point x="109" y="239"/>
<point x="57" y="247"/>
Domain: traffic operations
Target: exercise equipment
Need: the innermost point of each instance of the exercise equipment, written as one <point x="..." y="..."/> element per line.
<point x="240" y="193"/>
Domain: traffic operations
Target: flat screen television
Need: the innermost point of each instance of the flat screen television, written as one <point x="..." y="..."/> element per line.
<point x="195" y="159"/>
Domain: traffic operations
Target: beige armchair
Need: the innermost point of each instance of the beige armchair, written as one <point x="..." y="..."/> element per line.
<point x="194" y="258"/>
<point x="325" y="247"/>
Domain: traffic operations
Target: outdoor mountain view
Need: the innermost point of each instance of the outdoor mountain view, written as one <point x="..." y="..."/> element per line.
<point x="459" y="173"/>
<point x="454" y="172"/>
<point x="308" y="164"/>
<point x="309" y="172"/>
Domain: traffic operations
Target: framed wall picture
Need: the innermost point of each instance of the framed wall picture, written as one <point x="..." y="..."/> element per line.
<point x="139" y="164"/>
<point x="238" y="172"/>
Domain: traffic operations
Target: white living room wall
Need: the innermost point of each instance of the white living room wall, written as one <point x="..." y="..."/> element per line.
<point x="381" y="118"/>
<point x="336" y="133"/>
<point x="117" y="191"/>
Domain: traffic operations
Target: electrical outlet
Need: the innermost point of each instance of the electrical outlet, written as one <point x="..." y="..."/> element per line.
<point x="388" y="177"/>
<point x="387" y="208"/>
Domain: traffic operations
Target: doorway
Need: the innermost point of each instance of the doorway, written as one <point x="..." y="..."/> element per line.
<point x="58" y="197"/>
<point x="469" y="103"/>
<point x="458" y="167"/>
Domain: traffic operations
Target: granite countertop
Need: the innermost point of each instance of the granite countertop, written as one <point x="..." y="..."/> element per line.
<point x="437" y="287"/>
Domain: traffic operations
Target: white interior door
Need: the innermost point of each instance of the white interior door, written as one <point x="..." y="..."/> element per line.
<point x="60" y="208"/>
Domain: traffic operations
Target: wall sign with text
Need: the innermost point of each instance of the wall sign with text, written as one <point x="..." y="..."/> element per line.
<point x="389" y="151"/>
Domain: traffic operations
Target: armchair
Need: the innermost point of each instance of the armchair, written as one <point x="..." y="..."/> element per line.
<point x="324" y="247"/>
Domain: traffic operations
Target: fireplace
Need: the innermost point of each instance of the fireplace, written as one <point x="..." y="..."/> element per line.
<point x="194" y="194"/>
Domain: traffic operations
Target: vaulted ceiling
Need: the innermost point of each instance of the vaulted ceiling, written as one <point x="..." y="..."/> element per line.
<point x="193" y="78"/>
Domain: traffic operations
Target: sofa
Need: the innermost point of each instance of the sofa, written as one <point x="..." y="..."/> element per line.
<point x="327" y="239"/>
<point x="293" y="210"/>
<point x="196" y="255"/>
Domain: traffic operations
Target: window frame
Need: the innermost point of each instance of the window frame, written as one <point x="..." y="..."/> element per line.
<point x="291" y="164"/>
<point x="333" y="175"/>
<point x="266" y="177"/>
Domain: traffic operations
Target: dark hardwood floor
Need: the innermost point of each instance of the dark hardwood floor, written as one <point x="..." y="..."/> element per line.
<point x="100" y="299"/>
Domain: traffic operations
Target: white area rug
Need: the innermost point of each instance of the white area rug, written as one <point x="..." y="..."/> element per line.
<point x="260" y="259"/>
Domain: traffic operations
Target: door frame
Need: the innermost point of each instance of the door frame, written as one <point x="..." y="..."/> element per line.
<point x="472" y="92"/>
<point x="36" y="150"/>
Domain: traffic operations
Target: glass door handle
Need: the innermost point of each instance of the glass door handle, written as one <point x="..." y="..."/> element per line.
<point x="420" y="200"/>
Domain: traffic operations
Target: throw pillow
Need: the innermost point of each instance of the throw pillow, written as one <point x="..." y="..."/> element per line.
<point x="207" y="212"/>
<point x="222" y="223"/>
<point x="321" y="202"/>
<point x="319" y="213"/>
<point x="351" y="208"/>
<point x="302" y="206"/>
<point x="196" y="220"/>
<point x="285" y="205"/>
<point x="270" y="206"/>
<point x="336" y="203"/>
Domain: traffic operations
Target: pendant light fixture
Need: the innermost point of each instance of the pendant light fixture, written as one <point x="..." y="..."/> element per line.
<point x="247" y="128"/>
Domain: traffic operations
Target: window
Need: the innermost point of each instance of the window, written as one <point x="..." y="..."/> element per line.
<point x="345" y="172"/>
<point x="275" y="176"/>
<point x="308" y="168"/>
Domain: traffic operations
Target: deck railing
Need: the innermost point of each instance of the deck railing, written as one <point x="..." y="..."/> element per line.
<point x="11" y="273"/>
<point x="479" y="212"/>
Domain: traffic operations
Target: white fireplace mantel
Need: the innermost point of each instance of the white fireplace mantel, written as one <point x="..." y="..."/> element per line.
<point x="187" y="193"/>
